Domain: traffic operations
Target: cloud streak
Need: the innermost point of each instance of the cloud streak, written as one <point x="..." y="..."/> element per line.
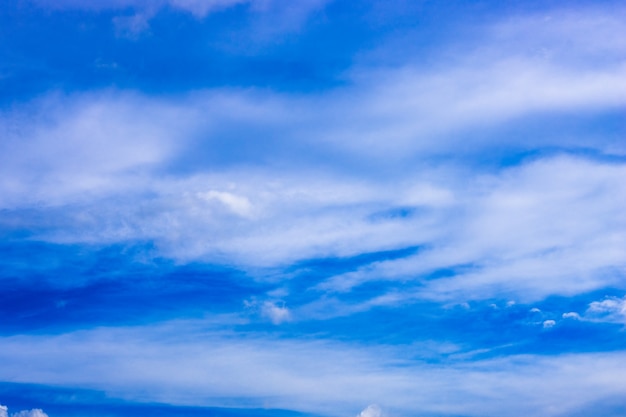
<point x="275" y="16"/>
<point x="181" y="362"/>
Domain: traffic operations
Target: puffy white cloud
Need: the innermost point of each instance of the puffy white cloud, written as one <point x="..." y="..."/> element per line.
<point x="276" y="313"/>
<point x="371" y="411"/>
<point x="547" y="324"/>
<point x="35" y="412"/>
<point x="609" y="305"/>
<point x="611" y="309"/>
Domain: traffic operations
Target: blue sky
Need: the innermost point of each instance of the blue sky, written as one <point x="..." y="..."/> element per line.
<point x="317" y="208"/>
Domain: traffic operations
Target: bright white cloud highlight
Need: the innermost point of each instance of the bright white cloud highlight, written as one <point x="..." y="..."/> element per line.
<point x="611" y="309"/>
<point x="371" y="411"/>
<point x="276" y="313"/>
<point x="237" y="204"/>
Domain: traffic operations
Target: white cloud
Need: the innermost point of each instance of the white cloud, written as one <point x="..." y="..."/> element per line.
<point x="36" y="412"/>
<point x="385" y="115"/>
<point x="204" y="7"/>
<point x="371" y="411"/>
<point x="564" y="35"/>
<point x="85" y="147"/>
<point x="132" y="26"/>
<point x="612" y="305"/>
<point x="187" y="363"/>
<point x="267" y="217"/>
<point x="197" y="7"/>
<point x="571" y="315"/>
<point x="409" y="108"/>
<point x="275" y="16"/>
<point x="516" y="233"/>
<point x="238" y="204"/>
<point x="611" y="309"/>
<point x="115" y="166"/>
<point x="276" y="313"/>
<point x="515" y="228"/>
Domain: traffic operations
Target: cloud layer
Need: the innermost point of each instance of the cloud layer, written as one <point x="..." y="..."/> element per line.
<point x="439" y="230"/>
<point x="154" y="364"/>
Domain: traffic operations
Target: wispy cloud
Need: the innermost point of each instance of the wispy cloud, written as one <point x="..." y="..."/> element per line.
<point x="209" y="176"/>
<point x="197" y="7"/>
<point x="179" y="364"/>
<point x="549" y="227"/>
<point x="385" y="115"/>
<point x="283" y="17"/>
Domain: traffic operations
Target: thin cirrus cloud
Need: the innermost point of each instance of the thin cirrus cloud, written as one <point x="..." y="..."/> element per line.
<point x="405" y="107"/>
<point x="519" y="231"/>
<point x="283" y="17"/>
<point x="197" y="7"/>
<point x="154" y="364"/>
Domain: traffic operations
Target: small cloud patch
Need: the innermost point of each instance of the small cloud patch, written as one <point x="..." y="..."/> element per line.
<point x="371" y="411"/>
<point x="276" y="313"/>
<point x="611" y="309"/>
<point x="549" y="324"/>
<point x="35" y="412"/>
